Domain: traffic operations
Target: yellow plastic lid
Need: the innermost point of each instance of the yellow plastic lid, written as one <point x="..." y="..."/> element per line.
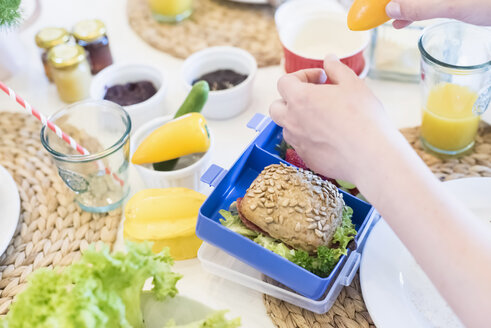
<point x="49" y="37"/>
<point x="66" y="55"/>
<point x="89" y="30"/>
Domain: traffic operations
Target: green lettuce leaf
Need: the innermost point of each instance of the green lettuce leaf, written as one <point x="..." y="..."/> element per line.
<point x="324" y="261"/>
<point x="100" y="290"/>
<point x="275" y="246"/>
<point x="346" y="232"/>
<point x="215" y="320"/>
<point x="234" y="223"/>
<point x="321" y="263"/>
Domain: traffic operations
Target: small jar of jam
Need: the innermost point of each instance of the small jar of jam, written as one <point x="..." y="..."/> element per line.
<point x="71" y="71"/>
<point x="91" y="34"/>
<point x="46" y="39"/>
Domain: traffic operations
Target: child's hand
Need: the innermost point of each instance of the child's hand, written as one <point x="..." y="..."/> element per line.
<point x="470" y="11"/>
<point x="335" y="128"/>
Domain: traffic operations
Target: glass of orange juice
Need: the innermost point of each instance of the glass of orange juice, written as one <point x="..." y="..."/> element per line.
<point x="455" y="80"/>
<point x="171" y="11"/>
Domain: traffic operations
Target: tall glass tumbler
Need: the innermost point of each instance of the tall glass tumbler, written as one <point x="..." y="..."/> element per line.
<point x="455" y="81"/>
<point x="99" y="180"/>
<point x="171" y="11"/>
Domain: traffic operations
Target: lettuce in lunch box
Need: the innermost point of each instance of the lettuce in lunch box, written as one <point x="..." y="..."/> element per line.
<point x="321" y="263"/>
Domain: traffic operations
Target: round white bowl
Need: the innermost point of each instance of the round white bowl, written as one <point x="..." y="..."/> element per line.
<point x="222" y="104"/>
<point x="188" y="177"/>
<point x="125" y="73"/>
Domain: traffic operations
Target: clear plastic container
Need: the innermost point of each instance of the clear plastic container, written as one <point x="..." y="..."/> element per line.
<point x="219" y="263"/>
<point x="394" y="53"/>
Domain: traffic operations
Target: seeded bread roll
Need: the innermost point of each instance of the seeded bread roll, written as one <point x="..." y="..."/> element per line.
<point x="295" y="206"/>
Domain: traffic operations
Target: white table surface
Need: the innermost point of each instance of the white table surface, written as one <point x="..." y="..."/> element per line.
<point x="402" y="102"/>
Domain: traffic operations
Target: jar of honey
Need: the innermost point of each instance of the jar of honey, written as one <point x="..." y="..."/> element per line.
<point x="70" y="71"/>
<point x="46" y="39"/>
<point x="91" y="35"/>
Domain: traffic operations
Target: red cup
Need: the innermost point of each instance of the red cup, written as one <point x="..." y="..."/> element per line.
<point x="294" y="62"/>
<point x="311" y="29"/>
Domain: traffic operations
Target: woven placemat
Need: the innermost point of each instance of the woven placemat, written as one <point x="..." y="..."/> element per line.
<point x="52" y="229"/>
<point x="213" y="23"/>
<point x="349" y="310"/>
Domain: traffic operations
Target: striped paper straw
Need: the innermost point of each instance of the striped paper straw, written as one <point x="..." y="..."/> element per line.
<point x="55" y="128"/>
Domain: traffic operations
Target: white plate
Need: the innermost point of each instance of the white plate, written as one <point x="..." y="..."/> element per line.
<point x="397" y="293"/>
<point x="255" y="2"/>
<point x="10" y="207"/>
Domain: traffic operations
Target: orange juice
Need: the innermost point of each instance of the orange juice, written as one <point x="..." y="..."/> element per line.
<point x="170" y="10"/>
<point x="448" y="121"/>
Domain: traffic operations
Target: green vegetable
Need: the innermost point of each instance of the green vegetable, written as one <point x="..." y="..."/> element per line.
<point x="194" y="102"/>
<point x="282" y="148"/>
<point x="345" y="184"/>
<point x="101" y="290"/>
<point x="196" y="99"/>
<point x="321" y="263"/>
<point x="9" y="12"/>
<point x="275" y="246"/>
<point x="234" y="223"/>
<point x="214" y="320"/>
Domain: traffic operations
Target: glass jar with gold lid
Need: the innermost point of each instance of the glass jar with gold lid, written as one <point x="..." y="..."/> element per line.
<point x="71" y="71"/>
<point x="46" y="39"/>
<point x="91" y="34"/>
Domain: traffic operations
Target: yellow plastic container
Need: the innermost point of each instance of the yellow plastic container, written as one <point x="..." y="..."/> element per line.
<point x="181" y="248"/>
<point x="167" y="217"/>
<point x="448" y="121"/>
<point x="169" y="11"/>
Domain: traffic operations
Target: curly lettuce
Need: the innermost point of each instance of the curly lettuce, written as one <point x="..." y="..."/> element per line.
<point x="320" y="263"/>
<point x="275" y="246"/>
<point x="100" y="290"/>
<point x="233" y="222"/>
<point x="326" y="258"/>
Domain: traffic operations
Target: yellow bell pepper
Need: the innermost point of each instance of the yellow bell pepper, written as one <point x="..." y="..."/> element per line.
<point x="367" y="14"/>
<point x="167" y="217"/>
<point x="182" y="136"/>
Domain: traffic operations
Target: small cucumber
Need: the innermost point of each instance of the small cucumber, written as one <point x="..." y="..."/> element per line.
<point x="194" y="102"/>
<point x="165" y="165"/>
<point x="196" y="99"/>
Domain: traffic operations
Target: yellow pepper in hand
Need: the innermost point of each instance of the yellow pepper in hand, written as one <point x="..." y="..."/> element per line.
<point x="367" y="14"/>
<point x="167" y="217"/>
<point x="182" y="136"/>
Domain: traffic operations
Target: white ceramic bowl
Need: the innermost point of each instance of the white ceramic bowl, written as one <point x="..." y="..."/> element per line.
<point x="188" y="177"/>
<point x="222" y="104"/>
<point x="124" y="73"/>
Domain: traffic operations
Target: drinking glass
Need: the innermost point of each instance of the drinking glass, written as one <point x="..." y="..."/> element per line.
<point x="455" y="82"/>
<point x="99" y="180"/>
<point x="171" y="11"/>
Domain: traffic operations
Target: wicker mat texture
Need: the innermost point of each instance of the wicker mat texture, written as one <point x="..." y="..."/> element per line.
<point x="349" y="310"/>
<point x="52" y="229"/>
<point x="213" y="23"/>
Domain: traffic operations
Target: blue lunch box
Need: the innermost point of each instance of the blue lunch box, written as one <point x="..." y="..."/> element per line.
<point x="232" y="184"/>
